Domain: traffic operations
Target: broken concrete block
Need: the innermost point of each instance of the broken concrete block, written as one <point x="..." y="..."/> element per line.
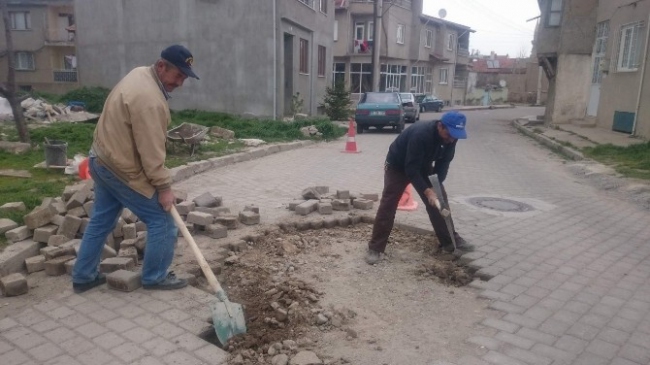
<point x="207" y="200"/>
<point x="141" y="241"/>
<point x="295" y="203"/>
<point x="307" y="207"/>
<point x="185" y="207"/>
<point x="228" y="220"/>
<point x="129" y="231"/>
<point x="35" y="264"/>
<point x="316" y="223"/>
<point x="252" y="208"/>
<point x="216" y="231"/>
<point x="69" y="191"/>
<point x="363" y="204"/>
<point x="341" y="204"/>
<point x="343" y="194"/>
<point x="59" y="206"/>
<point x="70" y="226"/>
<point x="77" y="212"/>
<point x="88" y="208"/>
<point x="39" y="217"/>
<point x="7" y="225"/>
<point x="325" y="208"/>
<point x="116" y="263"/>
<point x="238" y="246"/>
<point x="14" y="285"/>
<point x="118" y="231"/>
<point x="124" y="280"/>
<point x="110" y="242"/>
<point x="215" y="212"/>
<point x="57" y="240"/>
<point x="57" y="220"/>
<point x="127" y="243"/>
<point x="373" y="197"/>
<point x="69" y="266"/>
<point x="322" y="189"/>
<point x="202" y="219"/>
<point x="13" y="207"/>
<point x="53" y="252"/>
<point x="330" y="222"/>
<point x="44" y="233"/>
<point x="344" y="221"/>
<point x="80" y="197"/>
<point x="368" y="219"/>
<point x="108" y="252"/>
<point x="249" y="218"/>
<point x="128" y="216"/>
<point x="56" y="266"/>
<point x="18" y="234"/>
<point x="355" y="219"/>
<point x="310" y="193"/>
<point x="180" y="195"/>
<point x="129" y="252"/>
<point x="303" y="225"/>
<point x="12" y="259"/>
<point x="140" y="226"/>
<point x="84" y="224"/>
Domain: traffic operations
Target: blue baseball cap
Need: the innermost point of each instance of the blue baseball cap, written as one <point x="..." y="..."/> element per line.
<point x="455" y="123"/>
<point x="180" y="57"/>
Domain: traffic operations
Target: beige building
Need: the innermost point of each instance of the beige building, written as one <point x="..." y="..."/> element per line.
<point x="418" y="53"/>
<point x="44" y="45"/>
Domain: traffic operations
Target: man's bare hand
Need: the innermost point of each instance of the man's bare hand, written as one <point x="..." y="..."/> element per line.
<point x="431" y="197"/>
<point x="166" y="199"/>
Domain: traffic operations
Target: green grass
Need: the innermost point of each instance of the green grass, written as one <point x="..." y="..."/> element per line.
<point x="632" y="161"/>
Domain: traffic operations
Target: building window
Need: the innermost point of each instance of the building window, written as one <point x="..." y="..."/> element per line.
<point x="393" y="77"/>
<point x="20" y="20"/>
<point x="336" y="30"/>
<point x="419" y="79"/>
<point x="443" y="76"/>
<point x="360" y="77"/>
<point x="630" y="47"/>
<point x="600" y="49"/>
<point x="309" y="3"/>
<point x="339" y="74"/>
<point x="323" y="6"/>
<point x="450" y="41"/>
<point x="321" y="61"/>
<point x="371" y="31"/>
<point x="428" y="80"/>
<point x="24" y="61"/>
<point x="428" y="42"/>
<point x="359" y="30"/>
<point x="554" y="13"/>
<point x="304" y="56"/>
<point x="400" y="34"/>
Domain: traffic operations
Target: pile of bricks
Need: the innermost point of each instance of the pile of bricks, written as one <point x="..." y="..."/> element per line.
<point x="318" y="199"/>
<point x="51" y="236"/>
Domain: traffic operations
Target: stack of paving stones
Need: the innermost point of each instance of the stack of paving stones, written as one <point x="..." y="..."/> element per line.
<point x="50" y="239"/>
<point x="318" y="199"/>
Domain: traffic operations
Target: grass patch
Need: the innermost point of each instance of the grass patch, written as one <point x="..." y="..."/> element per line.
<point x="631" y="161"/>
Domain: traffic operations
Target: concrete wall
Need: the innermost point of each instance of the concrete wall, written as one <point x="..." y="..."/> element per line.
<point x="232" y="44"/>
<point x="576" y="33"/>
<point x="572" y="87"/>
<point x="643" y="118"/>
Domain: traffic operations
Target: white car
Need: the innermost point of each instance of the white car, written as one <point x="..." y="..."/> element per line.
<point x="411" y="107"/>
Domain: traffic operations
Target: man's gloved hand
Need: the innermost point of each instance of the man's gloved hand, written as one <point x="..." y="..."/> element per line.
<point x="166" y="199"/>
<point x="431" y="197"/>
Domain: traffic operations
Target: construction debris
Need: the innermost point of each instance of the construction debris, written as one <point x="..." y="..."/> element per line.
<point x="38" y="110"/>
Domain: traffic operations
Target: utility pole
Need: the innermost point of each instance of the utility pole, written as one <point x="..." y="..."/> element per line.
<point x="538" y="101"/>
<point x="376" y="41"/>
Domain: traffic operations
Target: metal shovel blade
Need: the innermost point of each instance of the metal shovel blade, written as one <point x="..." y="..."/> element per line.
<point x="228" y="319"/>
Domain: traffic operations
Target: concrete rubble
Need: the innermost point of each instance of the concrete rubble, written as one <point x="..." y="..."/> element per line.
<point x="319" y="199"/>
<point x="40" y="111"/>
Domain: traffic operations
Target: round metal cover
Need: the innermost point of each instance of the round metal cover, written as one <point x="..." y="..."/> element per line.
<point x="501" y="204"/>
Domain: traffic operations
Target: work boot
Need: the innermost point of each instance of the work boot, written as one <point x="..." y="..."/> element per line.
<point x="462" y="244"/>
<point x="171" y="282"/>
<point x="372" y="257"/>
<point x="80" y="288"/>
<point x="446" y="249"/>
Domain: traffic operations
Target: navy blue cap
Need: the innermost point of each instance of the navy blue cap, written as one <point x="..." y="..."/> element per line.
<point x="455" y="123"/>
<point x="180" y="57"/>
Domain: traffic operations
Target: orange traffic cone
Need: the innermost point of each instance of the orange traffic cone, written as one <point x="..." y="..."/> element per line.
<point x="406" y="202"/>
<point x="351" y="144"/>
<point x="84" y="171"/>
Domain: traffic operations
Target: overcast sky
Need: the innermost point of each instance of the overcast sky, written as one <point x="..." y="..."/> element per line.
<point x="500" y="25"/>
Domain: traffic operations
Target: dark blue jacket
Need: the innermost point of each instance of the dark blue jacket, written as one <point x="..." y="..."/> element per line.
<point x="419" y="151"/>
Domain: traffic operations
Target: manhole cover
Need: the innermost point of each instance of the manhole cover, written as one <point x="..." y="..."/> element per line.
<point x="501" y="204"/>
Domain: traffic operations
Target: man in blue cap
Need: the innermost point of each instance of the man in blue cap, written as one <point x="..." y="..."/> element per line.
<point x="423" y="149"/>
<point x="127" y="164"/>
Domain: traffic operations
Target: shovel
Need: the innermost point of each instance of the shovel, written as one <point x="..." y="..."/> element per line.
<point x="227" y="317"/>
<point x="443" y="208"/>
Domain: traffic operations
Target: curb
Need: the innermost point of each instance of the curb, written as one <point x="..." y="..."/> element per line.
<point x="184" y="172"/>
<point x="551" y="144"/>
<point x="491" y="107"/>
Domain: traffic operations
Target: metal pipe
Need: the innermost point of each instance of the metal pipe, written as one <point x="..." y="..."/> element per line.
<point x="645" y="60"/>
<point x="376" y="41"/>
<point x="275" y="62"/>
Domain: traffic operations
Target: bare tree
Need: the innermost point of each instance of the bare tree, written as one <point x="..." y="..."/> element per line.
<point x="8" y="89"/>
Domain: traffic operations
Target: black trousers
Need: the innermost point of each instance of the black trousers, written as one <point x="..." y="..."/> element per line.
<point x="395" y="182"/>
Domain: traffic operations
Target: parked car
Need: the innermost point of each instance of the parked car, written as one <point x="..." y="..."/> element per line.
<point x="411" y="107"/>
<point x="429" y="103"/>
<point x="380" y="109"/>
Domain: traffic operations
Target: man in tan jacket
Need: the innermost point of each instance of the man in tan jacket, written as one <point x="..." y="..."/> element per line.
<point x="127" y="164"/>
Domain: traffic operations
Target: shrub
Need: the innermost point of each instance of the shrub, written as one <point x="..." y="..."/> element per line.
<point x="93" y="97"/>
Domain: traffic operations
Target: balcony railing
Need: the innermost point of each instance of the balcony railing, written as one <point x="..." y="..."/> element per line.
<point x="460" y="83"/>
<point x="463" y="52"/>
<point x="65" y="75"/>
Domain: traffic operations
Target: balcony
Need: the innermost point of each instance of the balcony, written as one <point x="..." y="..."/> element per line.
<point x="65" y="75"/>
<point x="60" y="41"/>
<point x="462" y="56"/>
<point x="360" y="47"/>
<point x="460" y="83"/>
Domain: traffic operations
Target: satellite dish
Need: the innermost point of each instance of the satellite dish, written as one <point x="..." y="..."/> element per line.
<point x="442" y="13"/>
<point x="502" y="83"/>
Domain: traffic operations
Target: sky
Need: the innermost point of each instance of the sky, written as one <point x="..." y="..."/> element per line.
<point x="500" y="25"/>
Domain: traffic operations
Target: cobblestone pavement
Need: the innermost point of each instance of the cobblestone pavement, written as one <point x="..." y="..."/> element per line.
<point x="569" y="278"/>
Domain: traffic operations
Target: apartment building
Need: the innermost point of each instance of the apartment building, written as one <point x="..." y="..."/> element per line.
<point x="43" y="33"/>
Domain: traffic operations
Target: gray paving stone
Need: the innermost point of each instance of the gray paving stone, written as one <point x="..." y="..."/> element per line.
<point x="571" y="344"/>
<point x="486" y="342"/>
<point x="489" y="294"/>
<point x="45" y="352"/>
<point x="213" y="355"/>
<point x="95" y="356"/>
<point x="62" y="360"/>
<point x="526" y="356"/>
<point x="639" y="339"/>
<point x="622" y="361"/>
<point x="128" y="352"/>
<point x="181" y="358"/>
<point x="59" y="335"/>
<point x="160" y="347"/>
<point x="174" y="315"/>
<point x="551" y="304"/>
<point x="506" y="307"/>
<point x="522" y="320"/>
<point x="109" y="340"/>
<point x="14" y="357"/>
<point x="91" y="330"/>
<point x="552" y="352"/>
<point x="635" y="353"/>
<point x="189" y="342"/>
<point x="622" y="324"/>
<point x="524" y="300"/>
<point x="537" y="336"/>
<point x="515" y="340"/>
<point x="129" y="311"/>
<point x="495" y="357"/>
<point x="554" y="327"/>
<point x="583" y="331"/>
<point x="603" y="349"/>
<point x="471" y="360"/>
<point x="77" y="345"/>
<point x="148" y="320"/>
<point x="138" y="335"/>
<point x="500" y="325"/>
<point x="76" y="321"/>
<point x="588" y="358"/>
<point x="148" y="360"/>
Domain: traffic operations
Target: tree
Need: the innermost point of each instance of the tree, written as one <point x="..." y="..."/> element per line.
<point x="336" y="102"/>
<point x="8" y="89"/>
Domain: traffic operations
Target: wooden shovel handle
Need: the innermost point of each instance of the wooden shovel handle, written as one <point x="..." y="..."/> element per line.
<point x="207" y="271"/>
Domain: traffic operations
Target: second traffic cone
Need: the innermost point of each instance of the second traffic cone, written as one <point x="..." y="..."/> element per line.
<point x="351" y="144"/>
<point x="406" y="202"/>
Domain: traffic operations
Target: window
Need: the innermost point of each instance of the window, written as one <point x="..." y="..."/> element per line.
<point x="600" y="49"/>
<point x="629" y="47"/>
<point x="20" y="20"/>
<point x="359" y="30"/>
<point x="24" y="60"/>
<point x="339" y="74"/>
<point x="309" y="3"/>
<point x="428" y="42"/>
<point x="400" y="34"/>
<point x="371" y="31"/>
<point x="321" y="61"/>
<point x="450" y="41"/>
<point x="323" y="6"/>
<point x="443" y="76"/>
<point x="554" y="18"/>
<point x="393" y="77"/>
<point x="419" y="81"/>
<point x="360" y="77"/>
<point x="336" y="30"/>
<point x="304" y="56"/>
